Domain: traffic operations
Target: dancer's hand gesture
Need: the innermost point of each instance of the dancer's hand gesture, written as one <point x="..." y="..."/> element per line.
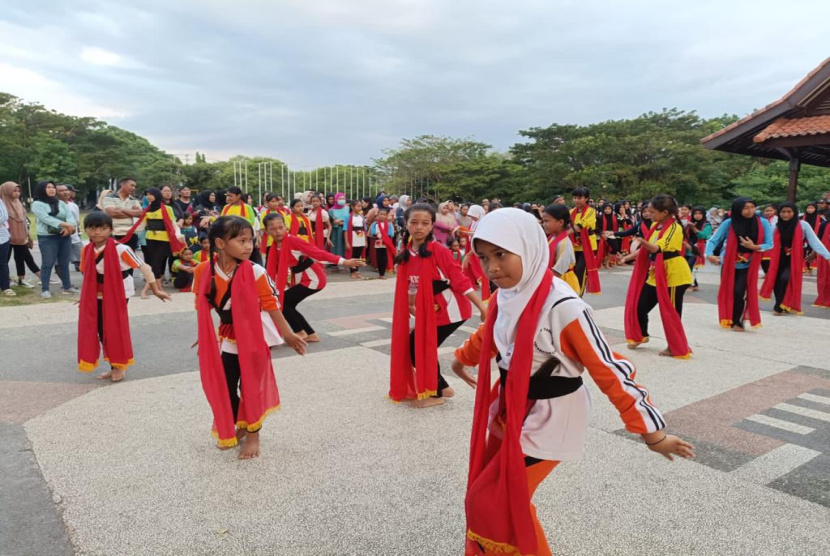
<point x="668" y="445"/>
<point x="461" y="371"/>
<point x="296" y="343"/>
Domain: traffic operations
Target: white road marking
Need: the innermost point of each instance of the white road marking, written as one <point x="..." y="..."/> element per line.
<point x="377" y="343"/>
<point x="798" y="410"/>
<point x="775" y="463"/>
<point x="349" y="331"/>
<point x="779" y="424"/>
<point x="815" y="398"/>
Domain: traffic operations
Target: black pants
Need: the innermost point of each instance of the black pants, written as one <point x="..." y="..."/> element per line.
<point x="739" y="299"/>
<point x="357" y="253"/>
<point x="182" y="280"/>
<point x="765" y="265"/>
<point x="22" y="259"/>
<point x="382" y="260"/>
<point x="581" y="270"/>
<point x="233" y="376"/>
<point x="781" y="282"/>
<point x="157" y="254"/>
<point x="444" y="332"/>
<point x="648" y="301"/>
<point x="293" y="297"/>
<point x="691" y="260"/>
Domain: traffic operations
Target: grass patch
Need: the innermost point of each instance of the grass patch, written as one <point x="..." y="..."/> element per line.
<point x="31" y="296"/>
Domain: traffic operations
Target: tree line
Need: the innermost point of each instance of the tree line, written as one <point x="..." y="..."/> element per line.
<point x="631" y="159"/>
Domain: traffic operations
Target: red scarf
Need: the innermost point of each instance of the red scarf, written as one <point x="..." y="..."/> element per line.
<point x="497" y="501"/>
<point x="404" y="383"/>
<point x="348" y="235"/>
<point x="726" y="291"/>
<point x="591" y="273"/>
<point x="673" y="327"/>
<point x="823" y="299"/>
<point x="176" y="246"/>
<point x="277" y="265"/>
<point x="603" y="248"/>
<point x="319" y="229"/>
<point x="263" y="247"/>
<point x="476" y="272"/>
<point x="243" y="211"/>
<point x="553" y="244"/>
<point x="118" y="348"/>
<point x="295" y="225"/>
<point x="383" y="230"/>
<point x="259" y="387"/>
<point x="792" y="295"/>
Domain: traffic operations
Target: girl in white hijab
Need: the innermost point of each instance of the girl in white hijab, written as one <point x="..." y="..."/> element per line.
<point x="565" y="342"/>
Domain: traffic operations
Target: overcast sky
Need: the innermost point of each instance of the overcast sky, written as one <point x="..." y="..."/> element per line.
<point x="317" y="82"/>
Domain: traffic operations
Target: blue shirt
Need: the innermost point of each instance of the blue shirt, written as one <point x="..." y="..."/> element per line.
<point x="721" y="237"/>
<point x="45" y="219"/>
<point x="4" y="224"/>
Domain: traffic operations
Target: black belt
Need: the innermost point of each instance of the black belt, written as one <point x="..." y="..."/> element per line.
<point x="304" y="264"/>
<point x="225" y="316"/>
<point x="439" y="286"/>
<point x="542" y="386"/>
<point x="155" y="225"/>
<point x="667" y="255"/>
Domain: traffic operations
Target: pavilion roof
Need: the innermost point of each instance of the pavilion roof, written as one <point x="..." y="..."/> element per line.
<point x="798" y="124"/>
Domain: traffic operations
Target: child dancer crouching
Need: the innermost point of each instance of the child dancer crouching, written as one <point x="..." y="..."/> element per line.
<point x="108" y="285"/>
<point x="241" y="360"/>
<point x="537" y="415"/>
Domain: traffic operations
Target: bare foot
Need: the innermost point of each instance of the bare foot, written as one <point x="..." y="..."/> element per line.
<point x="312" y="338"/>
<point x="118" y="374"/>
<point x="250" y="449"/>
<point x="448" y="392"/>
<point x="777" y="314"/>
<point x="144" y="293"/>
<point x="382" y="277"/>
<point x="426" y="402"/>
<point x="694" y="288"/>
<point x="665" y="353"/>
<point x="355" y="276"/>
<point x="241" y="434"/>
<point x="634" y="345"/>
<point x="302" y="334"/>
<point x="737" y="328"/>
<point x="105" y="376"/>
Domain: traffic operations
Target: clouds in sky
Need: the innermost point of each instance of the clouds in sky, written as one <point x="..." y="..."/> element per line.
<point x="320" y="82"/>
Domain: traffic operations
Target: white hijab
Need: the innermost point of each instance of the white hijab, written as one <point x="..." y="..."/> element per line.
<point x="519" y="232"/>
<point x="476" y="212"/>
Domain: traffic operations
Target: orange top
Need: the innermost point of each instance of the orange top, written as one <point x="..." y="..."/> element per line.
<point x="266" y="290"/>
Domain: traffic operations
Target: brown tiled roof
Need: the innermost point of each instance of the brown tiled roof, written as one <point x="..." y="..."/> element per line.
<point x="796" y="127"/>
<point x="770" y="106"/>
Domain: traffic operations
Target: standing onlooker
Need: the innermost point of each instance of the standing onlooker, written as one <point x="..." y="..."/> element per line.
<point x="5" y="247"/>
<point x="55" y="227"/>
<point x="20" y="240"/>
<point x="66" y="193"/>
<point x="183" y="205"/>
<point x="123" y="208"/>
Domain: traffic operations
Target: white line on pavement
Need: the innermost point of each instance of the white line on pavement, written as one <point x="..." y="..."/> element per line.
<point x="775" y="463"/>
<point x="386" y="319"/>
<point x="349" y="331"/>
<point x="377" y="343"/>
<point x="815" y="398"/>
<point x="779" y="424"/>
<point x="798" y="410"/>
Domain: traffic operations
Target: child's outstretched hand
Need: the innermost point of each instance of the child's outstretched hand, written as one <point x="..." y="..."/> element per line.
<point x="669" y="446"/>
<point x="461" y="371"/>
<point x="296" y="343"/>
<point x="163" y="295"/>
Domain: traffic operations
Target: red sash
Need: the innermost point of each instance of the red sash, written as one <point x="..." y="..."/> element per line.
<point x="294" y="230"/>
<point x="602" y="244"/>
<point x="176" y="246"/>
<point x="553" y="244"/>
<point x="673" y="327"/>
<point x="592" y="284"/>
<point x="823" y="299"/>
<point x="260" y="396"/>
<point x="319" y="229"/>
<point x="404" y="382"/>
<point x="726" y="292"/>
<point x="477" y="275"/>
<point x="118" y="348"/>
<point x="792" y="295"/>
<point x="277" y="265"/>
<point x="383" y="230"/>
<point x="497" y="502"/>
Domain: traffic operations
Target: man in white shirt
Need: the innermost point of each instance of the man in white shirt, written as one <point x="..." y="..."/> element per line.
<point x="123" y="208"/>
<point x="66" y="193"/>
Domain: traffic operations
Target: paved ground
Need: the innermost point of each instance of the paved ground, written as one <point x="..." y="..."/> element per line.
<point x="108" y="469"/>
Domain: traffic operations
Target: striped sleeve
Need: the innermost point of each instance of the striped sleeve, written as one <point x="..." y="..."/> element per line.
<point x="128" y="257"/>
<point x="583" y="341"/>
<point x="266" y="290"/>
<point x="672" y="240"/>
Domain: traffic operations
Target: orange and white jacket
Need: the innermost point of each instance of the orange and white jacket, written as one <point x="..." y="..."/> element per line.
<point x="555" y="428"/>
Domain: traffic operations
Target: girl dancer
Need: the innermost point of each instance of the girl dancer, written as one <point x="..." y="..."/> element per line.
<point x="298" y="223"/>
<point x="290" y="253"/>
<point x="108" y="287"/>
<point x="383" y="234"/>
<point x="321" y="222"/>
<point x="784" y="277"/>
<point x="355" y="236"/>
<point x="431" y="287"/>
<point x="823" y="282"/>
<point x="556" y="219"/>
<point x="239" y="291"/>
<point x="742" y="240"/>
<point x="813" y="219"/>
<point x="545" y="338"/>
<point x="583" y="226"/>
<point x="608" y="246"/>
<point x="660" y="277"/>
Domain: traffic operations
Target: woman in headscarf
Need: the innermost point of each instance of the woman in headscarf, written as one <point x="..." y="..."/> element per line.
<point x="339" y="213"/>
<point x="403" y="203"/>
<point x="55" y="226"/>
<point x="445" y="223"/>
<point x="697" y="231"/>
<point x="785" y="278"/>
<point x="742" y="239"/>
<point x="543" y="337"/>
<point x="813" y="219"/>
<point x="20" y="240"/>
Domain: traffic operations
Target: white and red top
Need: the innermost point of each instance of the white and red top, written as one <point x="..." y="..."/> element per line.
<point x="312" y="277"/>
<point x="451" y="305"/>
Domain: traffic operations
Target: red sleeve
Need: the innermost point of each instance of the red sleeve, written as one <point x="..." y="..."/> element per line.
<point x="459" y="283"/>
<point x="313" y="251"/>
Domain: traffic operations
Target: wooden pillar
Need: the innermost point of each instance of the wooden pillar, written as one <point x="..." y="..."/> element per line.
<point x="792" y="187"/>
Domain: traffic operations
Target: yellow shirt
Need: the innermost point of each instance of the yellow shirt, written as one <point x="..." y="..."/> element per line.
<point x="156" y="215"/>
<point x="587" y="221"/>
<point x="678" y="272"/>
